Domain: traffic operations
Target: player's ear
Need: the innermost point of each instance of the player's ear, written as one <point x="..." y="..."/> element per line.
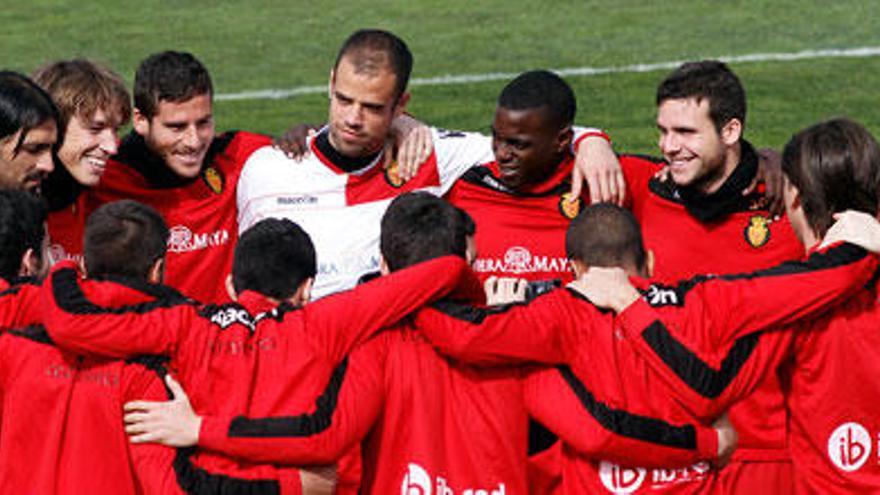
<point x="578" y="267"/>
<point x="157" y="271"/>
<point x="731" y="132"/>
<point x="140" y="122"/>
<point x="303" y="293"/>
<point x="230" y="288"/>
<point x="330" y="83"/>
<point x="30" y="264"/>
<point x="564" y="139"/>
<point x="383" y="266"/>
<point x="400" y="106"/>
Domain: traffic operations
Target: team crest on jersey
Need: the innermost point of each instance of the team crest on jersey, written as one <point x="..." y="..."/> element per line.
<point x="569" y="209"/>
<point x="213" y="179"/>
<point x="757" y="232"/>
<point x="392" y="175"/>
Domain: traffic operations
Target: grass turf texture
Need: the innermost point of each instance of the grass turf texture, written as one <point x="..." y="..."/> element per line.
<point x="283" y="44"/>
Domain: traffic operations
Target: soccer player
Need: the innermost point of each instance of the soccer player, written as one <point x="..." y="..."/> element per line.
<point x="339" y="193"/>
<point x="433" y="423"/>
<point x="233" y="357"/>
<point x="699" y="221"/>
<point x="29" y="128"/>
<point x="61" y="412"/>
<point x="93" y="104"/>
<point x="829" y="392"/>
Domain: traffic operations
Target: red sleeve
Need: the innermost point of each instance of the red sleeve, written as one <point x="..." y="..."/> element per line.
<point x="543" y="330"/>
<point x="701" y="335"/>
<point x="342" y="416"/>
<point x="20" y="306"/>
<point x="560" y="401"/>
<point x="77" y="323"/>
<point x="339" y="322"/>
<point x="153" y="464"/>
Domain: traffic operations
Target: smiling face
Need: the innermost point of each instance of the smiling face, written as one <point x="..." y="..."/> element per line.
<point x="699" y="155"/>
<point x="26" y="167"/>
<point x="88" y="143"/>
<point x="179" y="132"/>
<point x="362" y="106"/>
<point x="527" y="146"/>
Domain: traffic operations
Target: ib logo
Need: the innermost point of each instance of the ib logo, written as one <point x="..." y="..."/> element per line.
<point x="621" y="480"/>
<point x="849" y="446"/>
<point x="416" y="481"/>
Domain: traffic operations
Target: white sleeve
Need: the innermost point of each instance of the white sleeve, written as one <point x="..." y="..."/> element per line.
<point x="457" y="152"/>
<point x="260" y="169"/>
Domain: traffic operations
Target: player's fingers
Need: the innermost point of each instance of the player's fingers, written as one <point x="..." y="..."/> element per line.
<point x="175" y="388"/>
<point x="577" y="184"/>
<point x="147" y="437"/>
<point x="621" y="188"/>
<point x="140" y="405"/>
<point x="595" y="189"/>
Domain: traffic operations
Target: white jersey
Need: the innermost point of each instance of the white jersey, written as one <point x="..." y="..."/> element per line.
<point x="342" y="211"/>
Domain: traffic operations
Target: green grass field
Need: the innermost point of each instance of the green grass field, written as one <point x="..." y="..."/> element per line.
<point x="277" y="44"/>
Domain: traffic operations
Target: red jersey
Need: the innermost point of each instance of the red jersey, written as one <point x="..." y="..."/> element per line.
<point x="713" y="361"/>
<point x="200" y="213"/>
<point x="720" y="233"/>
<point x="69" y="205"/>
<point x="519" y="233"/>
<point x="62" y="413"/>
<point x="245" y="358"/>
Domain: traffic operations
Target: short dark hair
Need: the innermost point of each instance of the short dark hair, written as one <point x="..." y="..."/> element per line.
<point x="835" y="166"/>
<point x="124" y="238"/>
<point x="711" y="80"/>
<point x="371" y="50"/>
<point x="419" y="226"/>
<point x="22" y="227"/>
<point x="273" y="257"/>
<point x="23" y="106"/>
<point x="541" y="89"/>
<point x="82" y="87"/>
<point x="606" y="235"/>
<point x="169" y="76"/>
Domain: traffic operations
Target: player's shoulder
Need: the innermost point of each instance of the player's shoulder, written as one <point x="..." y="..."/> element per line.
<point x="241" y="144"/>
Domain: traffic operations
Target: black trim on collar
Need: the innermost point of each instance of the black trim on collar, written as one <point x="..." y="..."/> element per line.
<point x="726" y="200"/>
<point x="304" y="425"/>
<point x="482" y="176"/>
<point x="627" y="424"/>
<point x="347" y="163"/>
<point x="134" y="152"/>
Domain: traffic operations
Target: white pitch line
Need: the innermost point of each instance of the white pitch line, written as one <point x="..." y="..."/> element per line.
<point x="278" y="94"/>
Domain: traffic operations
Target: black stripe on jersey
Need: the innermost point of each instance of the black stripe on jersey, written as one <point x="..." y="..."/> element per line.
<point x="674" y="295"/>
<point x="699" y="376"/>
<point x="70" y="297"/>
<point x="303" y="425"/>
<point x="196" y="481"/>
<point x="627" y="424"/>
<point x="35" y="333"/>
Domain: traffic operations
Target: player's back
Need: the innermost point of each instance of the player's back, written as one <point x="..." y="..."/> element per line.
<point x="832" y="396"/>
<point x="445" y="425"/>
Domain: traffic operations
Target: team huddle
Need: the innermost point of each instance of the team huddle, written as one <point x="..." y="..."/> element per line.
<point x="380" y="306"/>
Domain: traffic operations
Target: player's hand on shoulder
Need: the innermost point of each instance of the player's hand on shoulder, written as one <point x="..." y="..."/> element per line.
<point x="505" y="290"/>
<point x="727" y="440"/>
<point x="597" y="165"/>
<point x="855" y="227"/>
<point x="409" y="145"/>
<point x="770" y="173"/>
<point x="320" y="480"/>
<point x="294" y="141"/>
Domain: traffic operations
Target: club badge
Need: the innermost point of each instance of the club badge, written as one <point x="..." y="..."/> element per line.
<point x="392" y="175"/>
<point x="568" y="209"/>
<point x="757" y="232"/>
<point x="213" y="179"/>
